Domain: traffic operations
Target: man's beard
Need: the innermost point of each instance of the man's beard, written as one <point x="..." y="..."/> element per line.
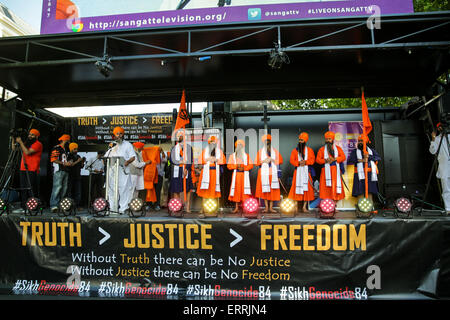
<point x="360" y="146"/>
<point x="330" y="148"/>
<point x="29" y="142"/>
<point x="268" y="148"/>
<point x="301" y="148"/>
<point x="119" y="140"/>
<point x="212" y="150"/>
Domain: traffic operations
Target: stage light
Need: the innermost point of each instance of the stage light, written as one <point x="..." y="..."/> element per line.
<point x="403" y="206"/>
<point x="3" y="206"/>
<point x="136" y="206"/>
<point x="327" y="208"/>
<point x="175" y="205"/>
<point x="210" y="206"/>
<point x="33" y="206"/>
<point x="104" y="66"/>
<point x="364" y="208"/>
<point x="287" y="206"/>
<point x="277" y="57"/>
<point x="250" y="207"/>
<point x="66" y="206"/>
<point x="100" y="206"/>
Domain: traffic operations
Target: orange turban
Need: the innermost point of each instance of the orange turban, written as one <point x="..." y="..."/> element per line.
<point x="35" y="132"/>
<point x="64" y="137"/>
<point x="117" y="130"/>
<point x="179" y="133"/>
<point x="241" y="142"/>
<point x="73" y="146"/>
<point x="139" y="145"/>
<point x="363" y="138"/>
<point x="266" y="137"/>
<point x="329" y="134"/>
<point x="212" y="139"/>
<point x="304" y="136"/>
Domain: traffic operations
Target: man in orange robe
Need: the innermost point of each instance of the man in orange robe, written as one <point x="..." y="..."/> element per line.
<point x="241" y="164"/>
<point x="209" y="181"/>
<point x="330" y="156"/>
<point x="302" y="188"/>
<point x="267" y="183"/>
<point x="151" y="156"/>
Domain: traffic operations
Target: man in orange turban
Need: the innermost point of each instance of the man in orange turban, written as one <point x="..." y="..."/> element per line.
<point x="358" y="158"/>
<point x="181" y="164"/>
<point x="137" y="170"/>
<point x="29" y="165"/>
<point x="121" y="150"/>
<point x="209" y="181"/>
<point x="329" y="157"/>
<point x="240" y="163"/>
<point x="267" y="184"/>
<point x="302" y="157"/>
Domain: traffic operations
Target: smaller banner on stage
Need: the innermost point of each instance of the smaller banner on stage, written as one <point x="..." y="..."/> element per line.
<point x="145" y="128"/>
<point x="347" y="134"/>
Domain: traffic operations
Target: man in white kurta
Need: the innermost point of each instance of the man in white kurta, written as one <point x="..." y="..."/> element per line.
<point x="443" y="171"/>
<point x="125" y="150"/>
<point x="137" y="170"/>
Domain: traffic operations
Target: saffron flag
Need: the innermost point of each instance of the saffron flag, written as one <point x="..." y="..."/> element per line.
<point x="367" y="125"/>
<point x="182" y="117"/>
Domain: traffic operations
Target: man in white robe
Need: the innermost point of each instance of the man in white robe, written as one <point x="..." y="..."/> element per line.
<point x="125" y="150"/>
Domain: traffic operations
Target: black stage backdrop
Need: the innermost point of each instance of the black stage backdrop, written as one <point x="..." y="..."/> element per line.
<point x="224" y="258"/>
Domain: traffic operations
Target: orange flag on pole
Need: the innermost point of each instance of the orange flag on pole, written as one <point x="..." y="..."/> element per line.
<point x="367" y="127"/>
<point x="183" y="116"/>
<point x="182" y="121"/>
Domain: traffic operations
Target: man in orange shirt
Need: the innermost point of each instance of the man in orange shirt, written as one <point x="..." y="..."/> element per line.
<point x="240" y="163"/>
<point x="302" y="157"/>
<point x="267" y="183"/>
<point x="209" y="181"/>
<point x="330" y="156"/>
<point x="29" y="165"/>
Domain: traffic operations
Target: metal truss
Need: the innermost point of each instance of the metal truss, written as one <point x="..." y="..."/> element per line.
<point x="250" y="34"/>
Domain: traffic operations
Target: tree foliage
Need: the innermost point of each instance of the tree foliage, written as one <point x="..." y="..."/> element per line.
<point x="419" y="6"/>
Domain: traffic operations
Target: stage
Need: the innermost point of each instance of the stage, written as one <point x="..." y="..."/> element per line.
<point x="272" y="257"/>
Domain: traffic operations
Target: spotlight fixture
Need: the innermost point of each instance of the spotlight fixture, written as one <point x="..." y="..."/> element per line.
<point x="104" y="66"/>
<point x="33" y="206"/>
<point x="136" y="206"/>
<point x="175" y="205"/>
<point x="403" y="206"/>
<point x="287" y="207"/>
<point x="66" y="207"/>
<point x="327" y="208"/>
<point x="100" y="206"/>
<point x="3" y="206"/>
<point x="210" y="206"/>
<point x="250" y="207"/>
<point x="277" y="57"/>
<point x="364" y="208"/>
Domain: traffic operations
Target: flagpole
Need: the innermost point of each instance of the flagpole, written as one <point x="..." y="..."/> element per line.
<point x="366" y="169"/>
<point x="184" y="163"/>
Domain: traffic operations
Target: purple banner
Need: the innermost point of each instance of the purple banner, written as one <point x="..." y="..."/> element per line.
<point x="67" y="16"/>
